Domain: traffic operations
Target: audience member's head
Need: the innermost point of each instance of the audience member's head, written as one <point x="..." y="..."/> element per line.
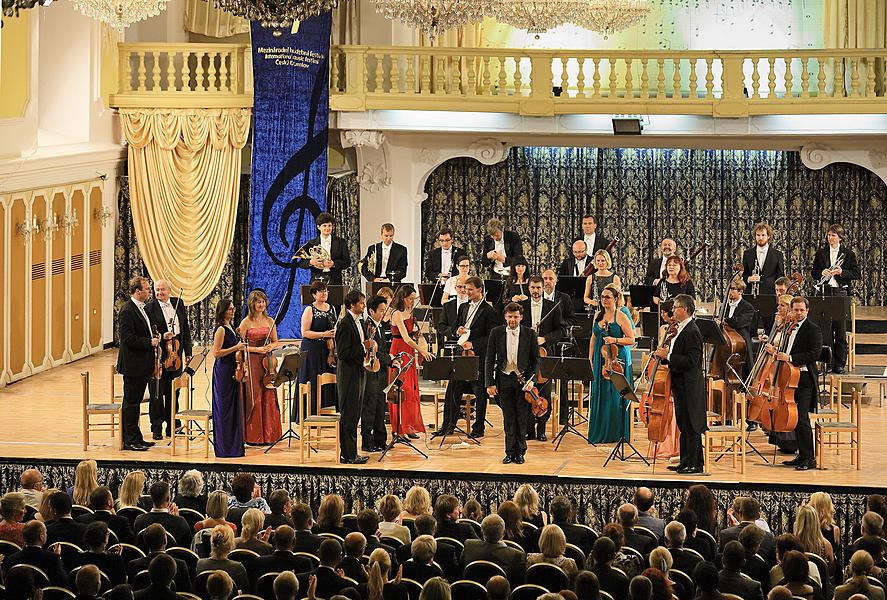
<point x="561" y="510"/>
<point x="473" y="510"/>
<point x="425" y="525"/>
<point x="675" y="534"/>
<point x="552" y="541"/>
<point x="687" y="517"/>
<point x="221" y="541"/>
<point x="640" y="588"/>
<point x="780" y="592"/>
<point x="872" y="544"/>
<point x="378" y="569"/>
<point x="627" y="515"/>
<point x="587" y="586"/>
<point x="390" y="508"/>
<point x="95" y="538"/>
<point x="162" y="568"/>
<point x="527" y="499"/>
<point x="12" y="507"/>
<point x="417" y="501"/>
<point x="368" y="522"/>
<point x="191" y="484"/>
<point x="794" y="567"/>
<point x="59" y="504"/>
<point x="446" y="508"/>
<point x="643" y="499"/>
<point x="423" y="549"/>
<point x="329" y="515"/>
<point x="733" y="557"/>
<point x="31" y="479"/>
<point x="86" y="476"/>
<point x="749" y="510"/>
<point x="219" y="586"/>
<point x="615" y="532"/>
<point x="860" y="563"/>
<point x="284" y="538"/>
<point x="34" y="533"/>
<point x="786" y="542"/>
<point x="355" y="544"/>
<point x="662" y="588"/>
<point x="20" y="585"/>
<point x="253" y="521"/>
<point x="498" y="588"/>
<point x="122" y="591"/>
<point x="603" y="552"/>
<point x="88" y="580"/>
<point x="660" y="558"/>
<point x="243" y="486"/>
<point x="101" y="499"/>
<point x="514" y="523"/>
<point x="705" y="575"/>
<point x="330" y="553"/>
<point x="155" y="537"/>
<point x="751" y="537"/>
<point x="872" y="523"/>
<point x="702" y="501"/>
<point x="493" y="528"/>
<point x="131" y="489"/>
<point x="159" y="492"/>
<point x="302" y="516"/>
<point x="217" y="505"/>
<point x="286" y="586"/>
<point x="435" y="589"/>
<point x="280" y="502"/>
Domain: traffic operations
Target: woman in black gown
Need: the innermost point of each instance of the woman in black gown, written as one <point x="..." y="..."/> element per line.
<point x="318" y="327"/>
<point x="227" y="407"/>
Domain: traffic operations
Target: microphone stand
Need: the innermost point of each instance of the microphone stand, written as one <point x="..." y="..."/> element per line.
<point x="397" y="436"/>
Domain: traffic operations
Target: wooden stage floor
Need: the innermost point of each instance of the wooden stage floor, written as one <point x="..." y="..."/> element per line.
<point x="42" y="421"/>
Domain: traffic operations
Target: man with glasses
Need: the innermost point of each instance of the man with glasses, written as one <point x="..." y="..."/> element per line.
<point x="441" y="261"/>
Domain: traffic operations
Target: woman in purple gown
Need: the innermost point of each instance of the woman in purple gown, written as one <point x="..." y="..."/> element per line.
<point x="227" y="407"/>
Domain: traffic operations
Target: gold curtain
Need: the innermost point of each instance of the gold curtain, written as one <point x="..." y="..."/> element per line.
<point x="184" y="174"/>
<point x="855" y="23"/>
<point x="205" y="18"/>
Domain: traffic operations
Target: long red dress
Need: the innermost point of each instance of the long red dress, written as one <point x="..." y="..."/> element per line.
<point x="412" y="412"/>
<point x="260" y="409"/>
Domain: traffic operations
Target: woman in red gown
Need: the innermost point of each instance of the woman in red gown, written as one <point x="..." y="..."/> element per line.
<point x="402" y="325"/>
<point x="261" y="413"/>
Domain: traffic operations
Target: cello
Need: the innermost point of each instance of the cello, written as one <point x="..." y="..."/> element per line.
<point x="654" y="408"/>
<point x="726" y="360"/>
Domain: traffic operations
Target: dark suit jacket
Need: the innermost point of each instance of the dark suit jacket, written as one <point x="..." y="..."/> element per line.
<point x="687" y="383"/>
<point x="65" y="530"/>
<point x="353" y="568"/>
<point x="496" y="355"/>
<point x="421" y="573"/>
<point x="552" y="328"/>
<point x="640" y="542"/>
<point x="654" y="271"/>
<point x="329" y="583"/>
<point x="513" y="248"/>
<point x="568" y="266"/>
<point x="397" y="262"/>
<point x="383" y="353"/>
<point x="511" y="559"/>
<point x="600" y="242"/>
<point x="807" y="347"/>
<point x="485" y="319"/>
<point x="611" y="581"/>
<point x="768" y="544"/>
<point x="275" y="520"/>
<point x="455" y="530"/>
<point x="566" y="308"/>
<point x="741" y="321"/>
<point x="307" y="541"/>
<point x="448" y="317"/>
<point x="136" y="355"/>
<point x="173" y="524"/>
<point x="373" y="543"/>
<point x="683" y="560"/>
<point x="576" y="535"/>
<point x="849" y="268"/>
<point x="155" y="311"/>
<point x="772" y="269"/>
<point x="156" y="592"/>
<point x="433" y="263"/>
<point x="732" y="582"/>
<point x="109" y="563"/>
<point x="279" y="561"/>
<point x="47" y="561"/>
<point x="338" y="254"/>
<point x="182" y="578"/>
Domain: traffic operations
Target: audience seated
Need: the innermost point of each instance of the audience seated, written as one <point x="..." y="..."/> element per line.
<point x="131" y="489"/>
<point x="662" y="586"/>
<point x="219" y="586"/>
<point x="12" y="509"/>
<point x="749" y="512"/>
<point x="473" y="510"/>
<point x="874" y="503"/>
<point x="329" y="582"/>
<point x="216" y="512"/>
<point x="564" y="516"/>
<point x="253" y="535"/>
<point x="435" y="589"/>
<point x="306" y="540"/>
<point x="874" y="546"/>
<point x="447" y="510"/>
<point x="493" y="549"/>
<point x="860" y="565"/>
<point x="809" y="533"/>
<point x="498" y="588"/>
<point x="88" y="583"/>
<point x="155" y="543"/>
<point x="32" y="553"/>
<point x="286" y="586"/>
<point x="785" y="543"/>
<point x="164" y="513"/>
<point x="700" y="542"/>
<point x="379" y="586"/>
<point x="631" y="564"/>
<point x="283" y="558"/>
<point x="86" y="479"/>
<point x="780" y="592"/>
<point x="446" y="556"/>
<point x="352" y="563"/>
<point x="825" y="511"/>
<point x="31" y="482"/>
<point x="61" y="527"/>
<point x="281" y="505"/>
<point x="527" y="499"/>
<point x="222" y="542"/>
<point x="368" y="525"/>
<point x="640" y="588"/>
<point x="612" y="580"/>
<point x="706" y="578"/>
<point x="245" y="494"/>
<point x="660" y="559"/>
<point x="587" y="585"/>
<point x="191" y="494"/>
<point x="872" y="524"/>
<point x="552" y="544"/>
<point x="644" y="500"/>
<point x="730" y="577"/>
<point x="390" y="510"/>
<point x="702" y="502"/>
<point x="421" y="567"/>
<point x="514" y="526"/>
<point x="416" y="502"/>
<point x="796" y="576"/>
<point x="329" y="516"/>
<point x="627" y="515"/>
<point x="101" y="502"/>
<point x="755" y="566"/>
<point x="162" y="572"/>
<point x="95" y="544"/>
<point x="675" y="536"/>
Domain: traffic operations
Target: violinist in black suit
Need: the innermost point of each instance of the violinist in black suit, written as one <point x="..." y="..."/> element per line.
<point x="351" y="348"/>
<point x="327" y="269"/>
<point x="837" y="262"/>
<point x="740" y="314"/>
<point x="441" y="261"/>
<point x="803" y="350"/>
<point x="762" y="264"/>
<point x="372" y="419"/>
<point x="544" y="318"/>
<point x="656" y="267"/>
<point x="593" y="240"/>
<point x="385" y="260"/>
<point x="512" y="352"/>
<point x="575" y="265"/>
<point x="500" y="248"/>
<point x="168" y="314"/>
<point x="684" y="359"/>
<point x="135" y="360"/>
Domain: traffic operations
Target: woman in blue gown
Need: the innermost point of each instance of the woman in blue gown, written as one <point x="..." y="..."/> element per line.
<point x="227" y="407"/>
<point x="318" y="327"/>
<point x="606" y="421"/>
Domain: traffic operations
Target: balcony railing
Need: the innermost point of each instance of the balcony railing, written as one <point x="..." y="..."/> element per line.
<point x="548" y="82"/>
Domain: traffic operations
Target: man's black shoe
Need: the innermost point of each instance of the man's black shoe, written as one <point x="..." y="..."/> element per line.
<point x="477" y="433"/>
<point x="507" y="460"/>
<point x="146" y="443"/>
<point x="135" y="447"/>
<point x="675" y="467"/>
<point x="519" y="459"/>
<point x="794" y="462"/>
<point x="839" y="370"/>
<point x="541" y="436"/>
<point x="157" y="436"/>
<point x="370" y="449"/>
<point x="413" y="436"/>
<point x="529" y="436"/>
<point x="357" y="460"/>
<point x="806" y="466"/>
<point x="689" y="470"/>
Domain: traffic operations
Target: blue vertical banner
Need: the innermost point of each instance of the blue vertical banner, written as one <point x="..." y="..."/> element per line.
<point x="289" y="162"/>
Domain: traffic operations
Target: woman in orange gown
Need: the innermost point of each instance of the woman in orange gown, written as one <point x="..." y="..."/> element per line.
<point x="261" y="413"/>
<point x="402" y="325"/>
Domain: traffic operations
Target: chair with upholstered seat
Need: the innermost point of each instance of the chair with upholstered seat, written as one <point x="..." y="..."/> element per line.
<point x="465" y="589"/>
<point x="482" y="570"/>
<point x="551" y="577"/>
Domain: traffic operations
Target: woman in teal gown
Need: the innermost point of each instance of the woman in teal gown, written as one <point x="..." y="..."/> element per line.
<point x="606" y="423"/>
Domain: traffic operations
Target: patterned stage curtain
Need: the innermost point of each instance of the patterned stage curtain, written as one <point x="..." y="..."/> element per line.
<point x="642" y="195"/>
<point x="343" y="202"/>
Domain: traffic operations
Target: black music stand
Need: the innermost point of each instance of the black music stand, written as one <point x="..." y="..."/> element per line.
<point x="431" y="294"/>
<point x="397" y="436"/>
<point x="824" y="310"/>
<point x="493" y="290"/>
<point x="336" y="297"/>
<point x="626" y="397"/>
<point x="288" y="372"/>
<point x="457" y="370"/>
<point x="711" y="334"/>
<point x="569" y="369"/>
<point x="574" y="287"/>
<point x="765" y="308"/>
<point x="642" y="295"/>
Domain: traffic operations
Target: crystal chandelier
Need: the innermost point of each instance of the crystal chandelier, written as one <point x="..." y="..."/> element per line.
<point x="433" y="17"/>
<point x="537" y="16"/>
<point x="609" y="16"/>
<point x="120" y="13"/>
<point x="276" y="13"/>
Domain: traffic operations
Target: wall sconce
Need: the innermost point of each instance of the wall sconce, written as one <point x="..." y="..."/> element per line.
<point x="102" y="213"/>
<point x="50" y="227"/>
<point x="69" y="222"/>
<point x="28" y="229"/>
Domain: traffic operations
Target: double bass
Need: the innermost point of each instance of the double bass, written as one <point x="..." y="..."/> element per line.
<point x="726" y="360"/>
<point x="655" y="409"/>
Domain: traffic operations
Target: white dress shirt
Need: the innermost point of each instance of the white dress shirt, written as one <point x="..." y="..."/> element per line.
<point x="580" y="266"/>
<point x="791" y="342"/>
<point x="169" y="314"/>
<point x="589" y="242"/>
<point x="535" y="312"/>
<point x="386" y="252"/>
<point x="512" y="340"/>
<point x="446" y="261"/>
<point x="499" y="247"/>
<point x="761" y="252"/>
<point x="141" y="306"/>
<point x="731" y="306"/>
<point x="326" y="242"/>
<point x="661" y="267"/>
<point x="473" y="307"/>
<point x="833" y="258"/>
<point x="359" y="325"/>
<point x="681" y="326"/>
<point x="548" y="296"/>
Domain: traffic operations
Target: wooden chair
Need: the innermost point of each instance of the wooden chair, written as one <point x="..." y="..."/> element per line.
<point x="322" y="380"/>
<point x="828" y="433"/>
<point x="734" y="434"/>
<point x="188" y="415"/>
<point x="112" y="409"/>
<point x="318" y="422"/>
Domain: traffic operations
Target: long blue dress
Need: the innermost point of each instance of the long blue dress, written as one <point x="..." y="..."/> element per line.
<point x="604" y="416"/>
<point x="227" y="407"/>
<point x="314" y="360"/>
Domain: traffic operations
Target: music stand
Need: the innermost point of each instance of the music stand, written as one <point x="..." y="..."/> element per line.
<point x="493" y="290"/>
<point x="626" y="393"/>
<point x="569" y="369"/>
<point x="457" y="370"/>
<point x="642" y="295"/>
<point x="288" y="372"/>
<point x="824" y="310"/>
<point x="574" y="287"/>
<point x="765" y="308"/>
<point x="431" y="294"/>
<point x="397" y="436"/>
<point x="336" y="295"/>
<point x="711" y="334"/>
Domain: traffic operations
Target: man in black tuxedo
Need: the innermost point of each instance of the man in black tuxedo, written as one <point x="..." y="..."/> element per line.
<point x="283" y="558"/>
<point x="655" y="267"/>
<point x="351" y="347"/>
<point x="547" y="333"/>
<point x="593" y="240"/>
<point x="168" y="314"/>
<point x="684" y="359"/>
<point x="446" y="328"/>
<point x="63" y="528"/>
<point x="385" y="260"/>
<point x="803" y="350"/>
<point x="567" y="347"/>
<point x="762" y="264"/>
<point x="34" y="534"/>
<point x="336" y="248"/>
<point x="166" y="514"/>
<point x="574" y="266"/>
<point x="740" y="315"/>
<point x="500" y="248"/>
<point x="135" y="359"/>
<point x="441" y="261"/>
<point x="512" y="353"/>
<point x="372" y="419"/>
<point x="102" y="504"/>
<point x="840" y="279"/>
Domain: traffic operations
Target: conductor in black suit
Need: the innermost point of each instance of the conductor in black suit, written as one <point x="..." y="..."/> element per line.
<point x="512" y="353"/>
<point x="336" y="248"/>
<point x="168" y="314"/>
<point x="762" y="264"/>
<point x="441" y="261"/>
<point x="385" y="260"/>
<point x="684" y="360"/>
<point x="500" y="248"/>
<point x="840" y="278"/>
<point x="803" y="350"/>
<point x="740" y="314"/>
<point x="135" y="360"/>
<point x="351" y="348"/>
<point x="372" y="419"/>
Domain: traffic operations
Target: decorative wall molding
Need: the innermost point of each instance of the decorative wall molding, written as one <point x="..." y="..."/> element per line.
<point x="362" y="138"/>
<point x="374" y="177"/>
<point x="818" y="156"/>
<point x="489" y="151"/>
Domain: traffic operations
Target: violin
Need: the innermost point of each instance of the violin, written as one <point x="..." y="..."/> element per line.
<point x="538" y="404"/>
<point x="241" y="373"/>
<point x="172" y="346"/>
<point x="590" y="268"/>
<point x="610" y="354"/>
<point x="371" y="361"/>
<point x="269" y="363"/>
<point x="655" y="403"/>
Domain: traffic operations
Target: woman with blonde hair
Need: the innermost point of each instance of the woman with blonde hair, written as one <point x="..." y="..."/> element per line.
<point x="329" y="516"/>
<point x="602" y="277"/>
<point x="45" y="513"/>
<point x="261" y="413"/>
<point x="253" y="536"/>
<point x="527" y="499"/>
<point x="216" y="512"/>
<point x="221" y="544"/>
<point x="86" y="480"/>
<point x="12" y="509"/>
<point x="860" y="564"/>
<point x="810" y="535"/>
<point x="825" y="509"/>
<point x="219" y="586"/>
<point x="131" y="490"/>
<point x="417" y="502"/>
<point x="379" y="568"/>
<point x="552" y="544"/>
<point x="389" y="526"/>
<point x="435" y="589"/>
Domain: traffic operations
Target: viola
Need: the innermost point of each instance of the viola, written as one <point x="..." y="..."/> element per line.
<point x="610" y="354"/>
<point x="241" y="373"/>
<point x="371" y="361"/>
<point x="331" y="352"/>
<point x="590" y="268"/>
<point x="173" y="360"/>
